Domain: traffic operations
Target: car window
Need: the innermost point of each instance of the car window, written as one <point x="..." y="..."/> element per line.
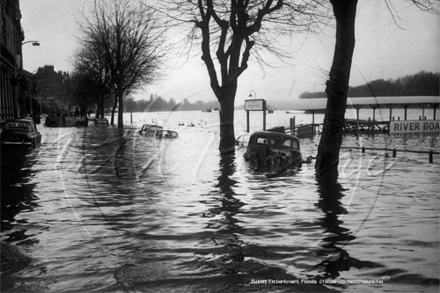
<point x="18" y="126"/>
<point x="261" y="139"/>
<point x="279" y="141"/>
<point x="293" y="143"/>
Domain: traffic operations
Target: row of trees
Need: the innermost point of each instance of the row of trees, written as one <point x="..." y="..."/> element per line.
<point x="420" y="84"/>
<point x="122" y="49"/>
<point x="157" y="103"/>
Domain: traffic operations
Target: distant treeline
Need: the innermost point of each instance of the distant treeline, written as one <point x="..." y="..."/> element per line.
<point x="420" y="84"/>
<point x="157" y="103"/>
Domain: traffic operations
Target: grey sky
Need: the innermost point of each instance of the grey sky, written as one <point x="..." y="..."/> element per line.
<point x="383" y="50"/>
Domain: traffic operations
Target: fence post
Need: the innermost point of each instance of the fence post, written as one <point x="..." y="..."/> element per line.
<point x="394" y="153"/>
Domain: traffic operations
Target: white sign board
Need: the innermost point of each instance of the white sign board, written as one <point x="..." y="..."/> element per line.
<point x="415" y="126"/>
<point x="254" y="105"/>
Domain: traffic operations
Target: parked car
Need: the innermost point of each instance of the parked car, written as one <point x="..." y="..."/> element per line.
<point x="273" y="151"/>
<point x="149" y="129"/>
<point x="20" y="132"/>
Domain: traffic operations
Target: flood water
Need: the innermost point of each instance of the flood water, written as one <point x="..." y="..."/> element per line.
<point x="108" y="210"/>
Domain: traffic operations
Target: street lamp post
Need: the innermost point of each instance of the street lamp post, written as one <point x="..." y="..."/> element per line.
<point x="255" y="94"/>
<point x="34" y="43"/>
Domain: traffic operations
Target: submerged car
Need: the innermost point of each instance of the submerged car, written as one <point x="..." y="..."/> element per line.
<point x="165" y="133"/>
<point x="149" y="129"/>
<point x="273" y="151"/>
<point x="20" y="132"/>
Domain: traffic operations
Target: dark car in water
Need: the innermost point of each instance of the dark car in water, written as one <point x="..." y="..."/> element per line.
<point x="273" y="151"/>
<point x="165" y="133"/>
<point x="150" y="129"/>
<point x="20" y="132"/>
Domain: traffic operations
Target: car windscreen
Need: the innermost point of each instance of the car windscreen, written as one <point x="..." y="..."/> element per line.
<point x="18" y="126"/>
<point x="281" y="141"/>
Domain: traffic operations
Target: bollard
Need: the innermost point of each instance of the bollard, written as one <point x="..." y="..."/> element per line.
<point x="431" y="160"/>
<point x="394" y="153"/>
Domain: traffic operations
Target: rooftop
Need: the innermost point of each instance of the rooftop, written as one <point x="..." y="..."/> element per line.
<point x="378" y="102"/>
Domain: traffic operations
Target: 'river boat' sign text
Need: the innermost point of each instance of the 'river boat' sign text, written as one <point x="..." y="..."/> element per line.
<point x="254" y="105"/>
<point x="415" y="126"/>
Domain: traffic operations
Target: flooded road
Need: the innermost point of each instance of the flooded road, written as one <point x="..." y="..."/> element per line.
<point x="109" y="210"/>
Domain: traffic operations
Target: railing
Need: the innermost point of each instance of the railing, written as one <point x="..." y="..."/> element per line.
<point x="430" y="152"/>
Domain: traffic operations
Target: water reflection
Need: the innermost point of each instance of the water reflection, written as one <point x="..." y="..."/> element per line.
<point x="336" y="258"/>
<point x="225" y="207"/>
<point x="228" y="205"/>
<point x="17" y="196"/>
<point x="17" y="190"/>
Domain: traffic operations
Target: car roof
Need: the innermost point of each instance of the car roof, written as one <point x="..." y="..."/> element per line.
<point x="274" y="133"/>
<point x="26" y="120"/>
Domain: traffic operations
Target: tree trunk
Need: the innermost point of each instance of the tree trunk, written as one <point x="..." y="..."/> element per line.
<point x="112" y="120"/>
<point x="327" y="160"/>
<point x="121" y="110"/>
<point x="97" y="111"/>
<point x="102" y="107"/>
<point x="227" y="136"/>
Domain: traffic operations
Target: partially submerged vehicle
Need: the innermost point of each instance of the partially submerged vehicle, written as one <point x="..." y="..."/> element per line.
<point x="150" y="129"/>
<point x="20" y="132"/>
<point x="165" y="133"/>
<point x="273" y="151"/>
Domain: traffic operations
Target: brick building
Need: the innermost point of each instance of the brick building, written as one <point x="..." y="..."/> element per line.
<point x="12" y="82"/>
<point x="52" y="88"/>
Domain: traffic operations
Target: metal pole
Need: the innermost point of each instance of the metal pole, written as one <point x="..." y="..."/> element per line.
<point x="357" y="121"/>
<point x="247" y="121"/>
<point x="264" y="114"/>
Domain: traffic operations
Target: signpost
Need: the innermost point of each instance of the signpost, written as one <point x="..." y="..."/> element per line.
<point x="255" y="105"/>
<point x="415" y="126"/>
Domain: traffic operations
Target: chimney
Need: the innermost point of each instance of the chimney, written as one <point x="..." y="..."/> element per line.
<point x="49" y="68"/>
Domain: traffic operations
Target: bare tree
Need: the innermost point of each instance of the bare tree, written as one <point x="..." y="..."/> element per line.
<point x="129" y="39"/>
<point x="230" y="33"/>
<point x="90" y="62"/>
<point x="344" y="11"/>
<point x="84" y="91"/>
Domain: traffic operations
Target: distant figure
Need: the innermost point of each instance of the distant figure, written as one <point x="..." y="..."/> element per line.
<point x="77" y="111"/>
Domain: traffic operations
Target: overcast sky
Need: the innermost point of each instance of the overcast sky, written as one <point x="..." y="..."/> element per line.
<point x="383" y="50"/>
